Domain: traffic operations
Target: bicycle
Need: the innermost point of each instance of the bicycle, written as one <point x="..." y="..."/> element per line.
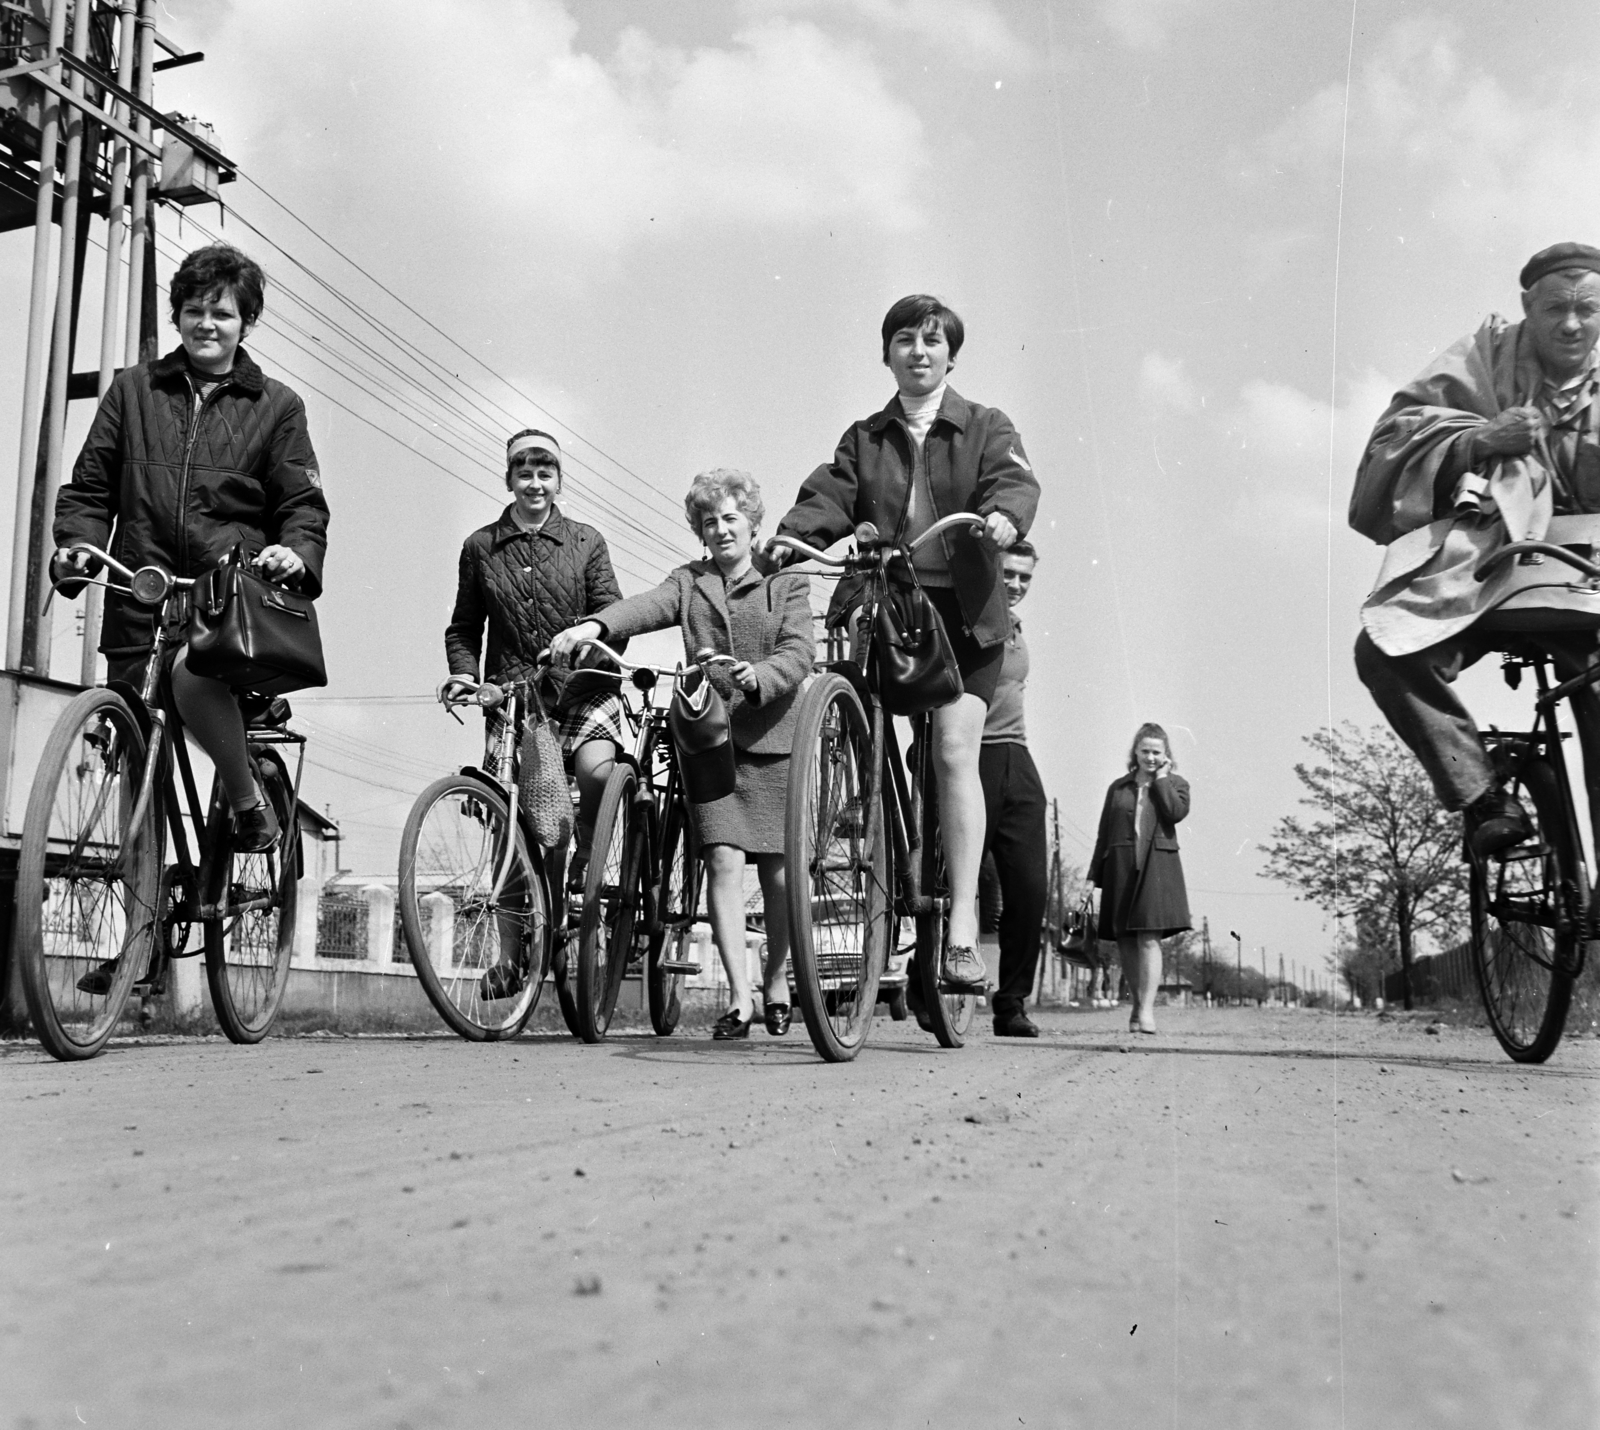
<point x="474" y="893"/>
<point x="642" y="891"/>
<point x="863" y="852"/>
<point x="100" y="914"/>
<point x="1532" y="910"/>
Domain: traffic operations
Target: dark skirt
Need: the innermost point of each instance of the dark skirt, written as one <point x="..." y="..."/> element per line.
<point x="752" y="817"/>
<point x="979" y="665"/>
<point x="1158" y="903"/>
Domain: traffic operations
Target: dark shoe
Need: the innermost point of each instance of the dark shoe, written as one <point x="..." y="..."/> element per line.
<point x="97" y="981"/>
<point x="1015" y="1024"/>
<point x="1495" y="821"/>
<point x="255" y="830"/>
<point x="504" y="980"/>
<point x="777" y="1017"/>
<point x="914" y="999"/>
<point x="730" y="1026"/>
<point x="964" y="966"/>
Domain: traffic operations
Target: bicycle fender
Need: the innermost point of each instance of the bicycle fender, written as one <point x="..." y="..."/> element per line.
<point x="135" y="702"/>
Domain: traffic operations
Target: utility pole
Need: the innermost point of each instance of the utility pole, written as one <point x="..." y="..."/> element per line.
<point x="1238" y="964"/>
<point x="1205" y="954"/>
<point x="1263" y="973"/>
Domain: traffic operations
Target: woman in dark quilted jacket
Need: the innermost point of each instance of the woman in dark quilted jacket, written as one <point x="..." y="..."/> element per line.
<point x="188" y="457"/>
<point x="525" y="577"/>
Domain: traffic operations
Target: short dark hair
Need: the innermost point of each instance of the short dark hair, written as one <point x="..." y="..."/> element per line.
<point x="917" y="311"/>
<point x="1021" y="547"/>
<point x="210" y="271"/>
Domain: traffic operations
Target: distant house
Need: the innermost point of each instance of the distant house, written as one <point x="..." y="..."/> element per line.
<point x="317" y="834"/>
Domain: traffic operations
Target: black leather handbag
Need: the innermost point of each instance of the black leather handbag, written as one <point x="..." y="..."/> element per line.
<point x="251" y="634"/>
<point x="698" y="720"/>
<point x="917" y="669"/>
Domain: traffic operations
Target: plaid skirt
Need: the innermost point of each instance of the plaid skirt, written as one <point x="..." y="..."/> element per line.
<point x="593" y="717"/>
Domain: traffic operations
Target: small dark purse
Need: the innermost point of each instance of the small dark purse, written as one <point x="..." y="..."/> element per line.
<point x="917" y="669"/>
<point x="698" y="720"/>
<point x="251" y="634"/>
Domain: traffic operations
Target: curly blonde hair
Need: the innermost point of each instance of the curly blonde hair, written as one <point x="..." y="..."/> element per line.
<point x="710" y="489"/>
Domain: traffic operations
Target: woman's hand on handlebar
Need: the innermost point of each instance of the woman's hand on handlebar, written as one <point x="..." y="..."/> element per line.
<point x="567" y="641"/>
<point x="999" y="531"/>
<point x="278" y="563"/>
<point x="769" y="559"/>
<point x="454" y="689"/>
<point x="743" y="674"/>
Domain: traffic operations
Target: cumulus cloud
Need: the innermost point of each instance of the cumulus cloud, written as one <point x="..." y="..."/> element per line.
<point x="971" y="31"/>
<point x="1484" y="161"/>
<point x="1141" y="24"/>
<point x="782" y="125"/>
<point x="1163" y="384"/>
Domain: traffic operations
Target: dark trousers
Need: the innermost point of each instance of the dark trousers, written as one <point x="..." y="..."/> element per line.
<point x="1015" y="834"/>
<point x="1416" y="693"/>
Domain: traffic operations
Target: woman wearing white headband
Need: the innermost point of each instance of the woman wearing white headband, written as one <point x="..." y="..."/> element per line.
<point x="528" y="575"/>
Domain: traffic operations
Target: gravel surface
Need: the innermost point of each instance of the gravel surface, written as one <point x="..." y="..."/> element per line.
<point x="1274" y="1219"/>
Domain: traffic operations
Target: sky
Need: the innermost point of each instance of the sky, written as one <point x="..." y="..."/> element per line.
<point x="1196" y="245"/>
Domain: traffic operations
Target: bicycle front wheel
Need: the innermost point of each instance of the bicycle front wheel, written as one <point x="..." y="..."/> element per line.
<point x="1529" y="903"/>
<point x="613" y="899"/>
<point x="87" y="880"/>
<point x="251" y="940"/>
<point x="836" y="867"/>
<point x="667" y="962"/>
<point x="474" y="909"/>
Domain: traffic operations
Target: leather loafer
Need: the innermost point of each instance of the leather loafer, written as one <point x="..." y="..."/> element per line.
<point x="1015" y="1024"/>
<point x="730" y="1026"/>
<point x="915" y="1001"/>
<point x="777" y="1016"/>
<point x="255" y="830"/>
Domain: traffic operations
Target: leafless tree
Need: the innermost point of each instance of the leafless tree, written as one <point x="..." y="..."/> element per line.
<point x="1380" y="846"/>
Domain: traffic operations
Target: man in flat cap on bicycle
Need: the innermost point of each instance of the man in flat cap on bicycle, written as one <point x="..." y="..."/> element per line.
<point x="1495" y="437"/>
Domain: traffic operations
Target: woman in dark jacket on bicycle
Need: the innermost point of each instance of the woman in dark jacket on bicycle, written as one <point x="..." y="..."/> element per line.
<point x="726" y="606"/>
<point x="187" y="458"/>
<point x="929" y="454"/>
<point x="526" y="577"/>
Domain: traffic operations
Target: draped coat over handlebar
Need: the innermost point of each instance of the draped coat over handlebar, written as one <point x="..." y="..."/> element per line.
<point x="975" y="463"/>
<point x="165" y="478"/>
<point x="764" y="620"/>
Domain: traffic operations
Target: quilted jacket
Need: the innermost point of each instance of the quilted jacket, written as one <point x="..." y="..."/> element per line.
<point x="527" y="586"/>
<point x="766" y="621"/>
<point x="975" y="463"/>
<point x="179" y="482"/>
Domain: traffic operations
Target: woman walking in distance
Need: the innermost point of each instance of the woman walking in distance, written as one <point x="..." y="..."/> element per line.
<point x="725" y="605"/>
<point x="1136" y="866"/>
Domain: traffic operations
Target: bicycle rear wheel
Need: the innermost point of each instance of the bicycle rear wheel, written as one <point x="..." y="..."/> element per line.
<point x="948" y="1012"/>
<point x="613" y="899"/>
<point x="837" y="869"/>
<point x="1529" y="904"/>
<point x="86" y="882"/>
<point x="474" y="909"/>
<point x="250" y="942"/>
<point x="667" y="959"/>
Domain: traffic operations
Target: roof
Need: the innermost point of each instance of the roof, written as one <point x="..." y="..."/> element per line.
<point x="318" y="826"/>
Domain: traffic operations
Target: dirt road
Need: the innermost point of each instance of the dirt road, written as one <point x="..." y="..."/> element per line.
<point x="1256" y="1219"/>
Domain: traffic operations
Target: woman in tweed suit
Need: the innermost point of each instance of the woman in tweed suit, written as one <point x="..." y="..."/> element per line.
<point x="725" y="605"/>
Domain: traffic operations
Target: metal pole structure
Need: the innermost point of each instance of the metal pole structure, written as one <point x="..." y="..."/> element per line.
<point x="33" y="367"/>
<point x="1238" y="965"/>
<point x="1205" y="954"/>
<point x="139" y="194"/>
<point x="61" y="345"/>
<point x="1264" y="973"/>
<point x="116" y="227"/>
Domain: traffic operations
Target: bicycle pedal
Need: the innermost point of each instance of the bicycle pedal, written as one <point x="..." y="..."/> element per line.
<point x="677" y="965"/>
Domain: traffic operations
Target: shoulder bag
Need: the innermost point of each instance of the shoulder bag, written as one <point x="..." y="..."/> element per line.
<point x="917" y="669"/>
<point x="252" y="634"/>
<point x="698" y="720"/>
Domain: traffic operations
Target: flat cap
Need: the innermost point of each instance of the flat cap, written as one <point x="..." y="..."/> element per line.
<point x="1557" y="257"/>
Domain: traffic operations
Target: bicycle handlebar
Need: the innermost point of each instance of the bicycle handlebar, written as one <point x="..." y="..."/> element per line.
<point x="149" y="584"/>
<point x="1544" y="548"/>
<point x="867" y="535"/>
<point x="702" y="658"/>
